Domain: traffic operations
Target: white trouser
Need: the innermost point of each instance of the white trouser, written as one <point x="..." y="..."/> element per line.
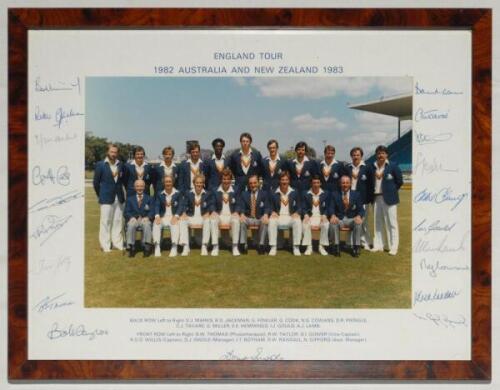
<point x="225" y="220"/>
<point x="174" y="230"/>
<point x="366" y="236"/>
<point x="387" y="216"/>
<point x="323" y="235"/>
<point x="111" y="225"/>
<point x="195" y="221"/>
<point x="285" y="221"/>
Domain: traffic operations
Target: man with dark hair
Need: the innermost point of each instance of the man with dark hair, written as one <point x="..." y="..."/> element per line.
<point x="272" y="166"/>
<point x="301" y="169"/>
<point x="387" y="179"/>
<point x="138" y="169"/>
<point x="315" y="207"/>
<point x="346" y="210"/>
<point x="216" y="165"/>
<point x="330" y="170"/>
<point x="225" y="211"/>
<point x="245" y="162"/>
<point x="361" y="182"/>
<point x="190" y="168"/>
<point x="166" y="168"/>
<point x="285" y="204"/>
<point x="139" y="211"/>
<point x="108" y="187"/>
<point x="254" y="209"/>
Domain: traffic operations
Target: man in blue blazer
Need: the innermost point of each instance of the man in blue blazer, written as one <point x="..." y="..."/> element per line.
<point x="272" y="166"/>
<point x="138" y="169"/>
<point x="166" y="168"/>
<point x="191" y="168"/>
<point x="199" y="205"/>
<point x="285" y="205"/>
<point x="330" y="170"/>
<point x="301" y="169"/>
<point x="245" y="163"/>
<point x="108" y="186"/>
<point x="139" y="212"/>
<point x="361" y="181"/>
<point x="387" y="179"/>
<point x="315" y="207"/>
<point x="348" y="210"/>
<point x="216" y="165"/>
<point x="254" y="209"/>
<point x="169" y="206"/>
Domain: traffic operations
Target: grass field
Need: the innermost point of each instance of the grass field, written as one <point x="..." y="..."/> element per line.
<point x="374" y="280"/>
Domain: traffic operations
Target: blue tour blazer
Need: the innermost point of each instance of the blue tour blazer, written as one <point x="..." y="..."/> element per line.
<point x="130" y="176"/>
<point x="178" y="205"/>
<point x="333" y="182"/>
<point x="159" y="174"/>
<point x="212" y="175"/>
<point x="185" y="176"/>
<point x="105" y="186"/>
<point x="233" y="200"/>
<point x="293" y="202"/>
<point x="263" y="204"/>
<point x="324" y="203"/>
<point x="364" y="183"/>
<point x="271" y="183"/>
<point x="132" y="208"/>
<point x="356" y="206"/>
<point x="240" y="178"/>
<point x="302" y="184"/>
<point x="207" y="203"/>
<point x="391" y="183"/>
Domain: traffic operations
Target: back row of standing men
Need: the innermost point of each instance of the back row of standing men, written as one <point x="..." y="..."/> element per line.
<point x="378" y="183"/>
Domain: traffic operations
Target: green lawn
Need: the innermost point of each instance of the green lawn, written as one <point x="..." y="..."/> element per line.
<point x="250" y="281"/>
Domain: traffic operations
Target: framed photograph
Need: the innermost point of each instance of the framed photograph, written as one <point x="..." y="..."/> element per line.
<point x="250" y="194"/>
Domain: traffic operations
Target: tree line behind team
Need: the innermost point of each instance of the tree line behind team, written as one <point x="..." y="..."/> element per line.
<point x="245" y="190"/>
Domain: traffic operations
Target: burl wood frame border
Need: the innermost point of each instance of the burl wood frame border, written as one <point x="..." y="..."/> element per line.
<point x="478" y="21"/>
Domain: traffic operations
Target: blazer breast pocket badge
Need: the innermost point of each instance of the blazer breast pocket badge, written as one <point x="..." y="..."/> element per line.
<point x="261" y="204"/>
<point x="353" y="207"/>
<point x="336" y="175"/>
<point x="146" y="207"/>
<point x="233" y="200"/>
<point x="363" y="177"/>
<point x="307" y="173"/>
<point x="254" y="164"/>
<point x="204" y="204"/>
<point x="389" y="177"/>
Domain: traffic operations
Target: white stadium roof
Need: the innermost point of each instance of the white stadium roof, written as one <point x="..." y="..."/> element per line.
<point x="398" y="106"/>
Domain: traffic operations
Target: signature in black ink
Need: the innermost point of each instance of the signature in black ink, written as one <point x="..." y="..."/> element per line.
<point x="57" y="332"/>
<point x="55" y="201"/>
<point x="50" y="225"/>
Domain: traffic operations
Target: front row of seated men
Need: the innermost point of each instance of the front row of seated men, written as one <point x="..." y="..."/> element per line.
<point x="211" y="210"/>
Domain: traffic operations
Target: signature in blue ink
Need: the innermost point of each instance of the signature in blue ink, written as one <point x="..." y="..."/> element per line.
<point x="425" y="246"/>
<point x="444" y="195"/>
<point x="425" y="139"/>
<point x="55" y="201"/>
<point x="258" y="355"/>
<point x="429" y="167"/>
<point x="62" y="116"/>
<point x="41" y="115"/>
<point x="423" y="296"/>
<point x="435" y="226"/>
<point x="57" y="332"/>
<point x="442" y="320"/>
<point x="48" y="303"/>
<point x="41" y="86"/>
<point x="434" y="267"/>
<point x="54" y="265"/>
<point x="433" y="114"/>
<point x="49" y="226"/>
<point x="436" y="91"/>
<point x="60" y="176"/>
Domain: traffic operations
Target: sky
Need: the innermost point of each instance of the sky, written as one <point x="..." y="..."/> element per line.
<point x="158" y="111"/>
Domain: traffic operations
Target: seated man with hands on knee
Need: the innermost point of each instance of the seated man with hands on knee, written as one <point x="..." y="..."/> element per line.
<point x="346" y="210"/>
<point x="139" y="211"/>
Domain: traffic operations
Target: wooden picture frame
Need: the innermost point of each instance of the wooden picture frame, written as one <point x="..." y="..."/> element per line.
<point x="478" y="21"/>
